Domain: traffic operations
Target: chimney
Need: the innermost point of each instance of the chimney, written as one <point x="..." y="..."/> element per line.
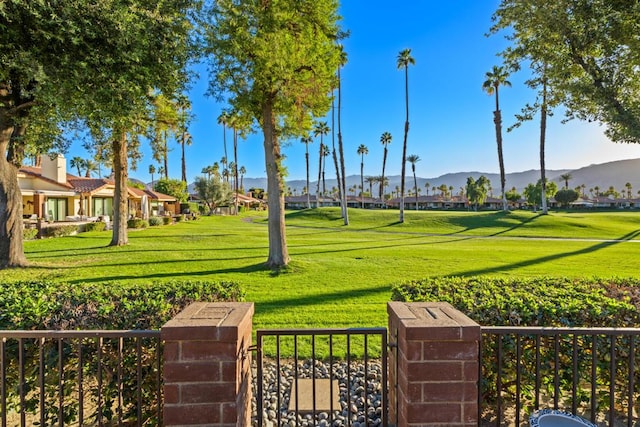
<point x="54" y="169"/>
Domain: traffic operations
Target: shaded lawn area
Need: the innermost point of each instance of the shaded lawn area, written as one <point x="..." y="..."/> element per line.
<point x="342" y="276"/>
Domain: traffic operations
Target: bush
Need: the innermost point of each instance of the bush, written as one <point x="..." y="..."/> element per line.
<point x="54" y="306"/>
<point x="541" y="301"/>
<point x="155" y="221"/>
<point x="137" y="223"/>
<point x="95" y="226"/>
<point x="167" y="220"/>
<point x="60" y="230"/>
<point x="180" y="218"/>
<point x="29" y="233"/>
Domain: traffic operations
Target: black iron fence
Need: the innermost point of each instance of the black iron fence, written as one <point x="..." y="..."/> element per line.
<point x="80" y="378"/>
<point x="321" y="377"/>
<point x="591" y="372"/>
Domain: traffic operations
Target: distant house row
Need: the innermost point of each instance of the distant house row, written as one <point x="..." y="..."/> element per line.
<point x="51" y="193"/>
<point x="454" y="203"/>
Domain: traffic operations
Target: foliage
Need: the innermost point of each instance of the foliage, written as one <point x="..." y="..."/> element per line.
<point x="155" y="221"/>
<point x="59" y="230"/>
<point x="137" y="223"/>
<point x="566" y="196"/>
<point x="46" y="305"/>
<point x="571" y="38"/>
<point x="513" y="196"/>
<point x="29" y="233"/>
<point x="533" y="193"/>
<point x="477" y="190"/>
<point x="213" y="192"/>
<point x="135" y="184"/>
<point x="167" y="220"/>
<point x="95" y="226"/>
<point x="172" y="187"/>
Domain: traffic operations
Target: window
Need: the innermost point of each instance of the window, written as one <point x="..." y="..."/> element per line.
<point x="102" y="206"/>
<point x="56" y="209"/>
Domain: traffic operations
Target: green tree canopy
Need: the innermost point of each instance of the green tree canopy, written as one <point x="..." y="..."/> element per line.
<point x="276" y="63"/>
<point x="477" y="190"/>
<point x="533" y="193"/>
<point x="566" y="196"/>
<point x="213" y="192"/>
<point x="173" y="187"/>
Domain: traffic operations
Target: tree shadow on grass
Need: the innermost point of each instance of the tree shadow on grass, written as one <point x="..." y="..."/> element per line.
<point x="554" y="257"/>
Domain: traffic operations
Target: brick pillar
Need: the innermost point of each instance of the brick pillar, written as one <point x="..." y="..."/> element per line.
<point x="433" y="379"/>
<point x="207" y="365"/>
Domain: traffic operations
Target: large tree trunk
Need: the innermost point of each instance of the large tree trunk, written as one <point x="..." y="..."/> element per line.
<point x="278" y="252"/>
<point x="11" y="248"/>
<point x="497" y="120"/>
<point x="120" y="200"/>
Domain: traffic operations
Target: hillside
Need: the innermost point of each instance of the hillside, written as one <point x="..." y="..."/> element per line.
<point x="603" y="175"/>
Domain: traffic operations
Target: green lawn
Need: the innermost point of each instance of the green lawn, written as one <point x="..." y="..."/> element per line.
<point x="341" y="276"/>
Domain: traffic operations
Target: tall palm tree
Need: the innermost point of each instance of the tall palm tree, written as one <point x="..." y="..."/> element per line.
<point x="427" y="186"/>
<point x="362" y="151"/>
<point x="628" y="187"/>
<point x="566" y="177"/>
<point x="325" y="153"/>
<point x="306" y="140"/>
<point x="78" y="163"/>
<point x="403" y="61"/>
<point x="345" y="211"/>
<point x="413" y="159"/>
<point x="89" y="167"/>
<point x="242" y="172"/>
<point x="494" y="79"/>
<point x="223" y="119"/>
<point x="385" y="139"/>
<point x="152" y="170"/>
<point x="370" y="180"/>
<point x="205" y="171"/>
<point x="185" y="139"/>
<point x="320" y="129"/>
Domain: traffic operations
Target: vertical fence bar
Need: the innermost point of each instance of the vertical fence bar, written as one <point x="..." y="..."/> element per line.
<point x="499" y="379"/>
<point x="632" y="375"/>
<point x="158" y="379"/>
<point x="349" y="380"/>
<point x="556" y="371"/>
<point x="119" y="384"/>
<point x="574" y="383"/>
<point x="612" y="381"/>
<point x="518" y="378"/>
<point x="60" y="382"/>
<point x="385" y="375"/>
<point x="260" y="374"/>
<point x="331" y="408"/>
<point x="366" y="382"/>
<point x="139" y="379"/>
<point x="313" y="378"/>
<point x="3" y="385"/>
<point x="41" y="380"/>
<point x="538" y="380"/>
<point x="480" y="376"/>
<point x="99" y="360"/>
<point x="23" y="421"/>
<point x="295" y="363"/>
<point x="594" y="376"/>
<point x="80" y="390"/>
<point x="278" y="414"/>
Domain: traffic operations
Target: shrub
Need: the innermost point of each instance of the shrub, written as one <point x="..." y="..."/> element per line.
<point x="155" y="221"/>
<point x="29" y="233"/>
<point x="137" y="223"/>
<point x="60" y="230"/>
<point x="180" y="218"/>
<point x="167" y="220"/>
<point x="95" y="226"/>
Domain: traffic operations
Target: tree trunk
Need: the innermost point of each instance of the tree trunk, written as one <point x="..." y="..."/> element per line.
<point x="384" y="164"/>
<point x="415" y="185"/>
<point x="184" y="162"/>
<point x="235" y="168"/>
<point x="278" y="252"/>
<point x="120" y="199"/>
<point x="319" y="174"/>
<point x="306" y="156"/>
<point x="404" y="145"/>
<point x="11" y="248"/>
<point x="362" y="183"/>
<point x="345" y="210"/>
<point x="497" y="120"/>
<point x="543" y="131"/>
<point x="335" y="156"/>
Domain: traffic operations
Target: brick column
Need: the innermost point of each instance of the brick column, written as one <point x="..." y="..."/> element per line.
<point x="433" y="378"/>
<point x="207" y="365"/>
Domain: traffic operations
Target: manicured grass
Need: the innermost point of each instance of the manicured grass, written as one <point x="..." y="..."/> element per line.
<point x="341" y="276"/>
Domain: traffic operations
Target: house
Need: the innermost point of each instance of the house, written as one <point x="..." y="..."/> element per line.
<point x="50" y="192"/>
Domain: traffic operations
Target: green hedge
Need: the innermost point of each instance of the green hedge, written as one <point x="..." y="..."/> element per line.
<point x="49" y="305"/>
<point x="29" y="233"/>
<point x="540" y="301"/>
<point x="137" y="223"/>
<point x="95" y="226"/>
<point x="155" y="221"/>
<point x="60" y="230"/>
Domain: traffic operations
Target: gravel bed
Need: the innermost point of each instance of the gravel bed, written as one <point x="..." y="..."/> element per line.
<point x="364" y="407"/>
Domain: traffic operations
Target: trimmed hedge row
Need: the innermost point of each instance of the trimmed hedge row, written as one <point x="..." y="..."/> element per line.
<point x="541" y="301"/>
<point x="50" y="305"/>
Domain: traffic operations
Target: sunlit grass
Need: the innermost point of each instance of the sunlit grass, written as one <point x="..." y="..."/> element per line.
<point x="341" y="276"/>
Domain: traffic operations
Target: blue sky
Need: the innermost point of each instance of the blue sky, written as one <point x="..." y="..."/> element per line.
<point x="451" y="117"/>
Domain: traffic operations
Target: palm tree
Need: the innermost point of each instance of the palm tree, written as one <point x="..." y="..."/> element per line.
<point x="152" y="170"/>
<point x="306" y="140"/>
<point x="403" y="61"/>
<point x="215" y="170"/>
<point x="78" y="163"/>
<point x="320" y="129"/>
<point x="242" y="172"/>
<point x="161" y="171"/>
<point x="628" y="187"/>
<point x="413" y="159"/>
<point x="385" y="139"/>
<point x="325" y="153"/>
<point x="566" y="177"/>
<point x="343" y="203"/>
<point x="362" y="151"/>
<point x="223" y="162"/>
<point x="223" y="119"/>
<point x="597" y="190"/>
<point x="496" y="78"/>
<point x="427" y="185"/>
<point x="371" y="180"/>
<point x="185" y="139"/>
<point x="90" y="166"/>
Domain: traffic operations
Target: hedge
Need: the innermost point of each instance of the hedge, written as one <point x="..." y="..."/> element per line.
<point x="137" y="223"/>
<point x="95" y="226"/>
<point x="540" y="301"/>
<point x="48" y="305"/>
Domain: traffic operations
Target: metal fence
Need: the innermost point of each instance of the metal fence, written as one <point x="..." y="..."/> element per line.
<point x="590" y="372"/>
<point x="80" y="378"/>
<point x="321" y="377"/>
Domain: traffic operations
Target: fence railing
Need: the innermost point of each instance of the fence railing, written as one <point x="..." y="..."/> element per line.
<point x="591" y="372"/>
<point x="80" y="377"/>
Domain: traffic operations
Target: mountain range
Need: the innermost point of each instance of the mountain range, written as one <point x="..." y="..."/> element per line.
<point x="604" y="175"/>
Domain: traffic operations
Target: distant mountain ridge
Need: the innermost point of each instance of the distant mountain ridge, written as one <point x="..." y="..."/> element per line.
<point x="616" y="174"/>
